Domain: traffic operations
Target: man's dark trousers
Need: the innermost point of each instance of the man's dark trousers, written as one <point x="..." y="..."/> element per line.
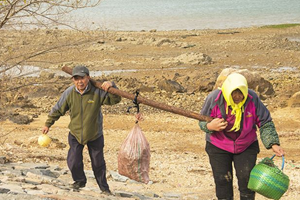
<point x="75" y="161"/>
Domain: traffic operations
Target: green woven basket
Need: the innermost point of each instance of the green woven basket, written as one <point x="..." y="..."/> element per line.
<point x="268" y="180"/>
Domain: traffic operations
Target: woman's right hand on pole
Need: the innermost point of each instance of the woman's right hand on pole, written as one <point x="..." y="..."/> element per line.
<point x="217" y="124"/>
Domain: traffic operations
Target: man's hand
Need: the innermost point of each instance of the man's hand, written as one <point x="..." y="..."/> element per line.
<point x="139" y="117"/>
<point x="278" y="150"/>
<point x="217" y="124"/>
<point x="106" y="85"/>
<point x="45" y="130"/>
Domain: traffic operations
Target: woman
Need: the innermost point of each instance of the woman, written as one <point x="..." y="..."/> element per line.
<point x="231" y="136"/>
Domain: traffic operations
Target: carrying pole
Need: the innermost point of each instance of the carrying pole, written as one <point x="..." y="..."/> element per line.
<point x="148" y="102"/>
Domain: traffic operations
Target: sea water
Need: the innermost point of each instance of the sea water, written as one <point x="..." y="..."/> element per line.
<point x="136" y="15"/>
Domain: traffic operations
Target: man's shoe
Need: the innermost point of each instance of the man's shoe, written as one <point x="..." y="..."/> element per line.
<point x="78" y="184"/>
<point x="106" y="192"/>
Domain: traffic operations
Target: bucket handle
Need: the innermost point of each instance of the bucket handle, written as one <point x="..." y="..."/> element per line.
<point x="282" y="166"/>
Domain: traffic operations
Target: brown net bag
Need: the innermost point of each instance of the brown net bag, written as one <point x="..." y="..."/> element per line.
<point x="134" y="156"/>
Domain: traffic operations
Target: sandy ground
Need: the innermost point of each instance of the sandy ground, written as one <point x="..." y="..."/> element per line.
<point x="179" y="163"/>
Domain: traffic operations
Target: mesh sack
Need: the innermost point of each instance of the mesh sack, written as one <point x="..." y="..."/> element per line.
<point x="134" y="156"/>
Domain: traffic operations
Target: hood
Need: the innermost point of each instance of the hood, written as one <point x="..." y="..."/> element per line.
<point x="235" y="81"/>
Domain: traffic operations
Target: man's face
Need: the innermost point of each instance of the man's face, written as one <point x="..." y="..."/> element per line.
<point x="81" y="82"/>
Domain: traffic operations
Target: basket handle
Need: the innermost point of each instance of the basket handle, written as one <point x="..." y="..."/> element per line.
<point x="282" y="165"/>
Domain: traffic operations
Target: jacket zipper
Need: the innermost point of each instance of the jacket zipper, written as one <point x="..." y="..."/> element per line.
<point x="81" y="115"/>
<point x="234" y="147"/>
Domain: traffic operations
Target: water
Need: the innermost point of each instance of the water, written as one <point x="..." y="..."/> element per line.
<point x="285" y="68"/>
<point x="139" y="15"/>
<point x="18" y="71"/>
<point x="34" y="71"/>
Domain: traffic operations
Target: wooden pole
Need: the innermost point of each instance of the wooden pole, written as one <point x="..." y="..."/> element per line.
<point x="148" y="102"/>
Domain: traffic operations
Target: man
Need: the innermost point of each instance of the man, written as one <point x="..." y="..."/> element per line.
<point x="84" y="102"/>
<point x="231" y="136"/>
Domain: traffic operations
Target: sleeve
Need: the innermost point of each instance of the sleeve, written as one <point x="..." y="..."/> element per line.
<point x="206" y="110"/>
<point x="209" y="103"/>
<point x="262" y="113"/>
<point x="269" y="135"/>
<point x="266" y="126"/>
<point x="60" y="108"/>
<point x="203" y="127"/>
<point x="111" y="99"/>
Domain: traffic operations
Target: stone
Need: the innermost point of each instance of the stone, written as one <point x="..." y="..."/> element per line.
<point x="294" y="101"/>
<point x="254" y="80"/>
<point x="118" y="177"/>
<point x="2" y="159"/>
<point x="170" y="86"/>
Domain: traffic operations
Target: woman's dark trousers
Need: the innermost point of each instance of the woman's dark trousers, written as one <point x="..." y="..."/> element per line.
<point x="221" y="164"/>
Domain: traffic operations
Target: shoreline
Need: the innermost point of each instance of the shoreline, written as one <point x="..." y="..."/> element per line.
<point x="210" y="29"/>
<point x="152" y="30"/>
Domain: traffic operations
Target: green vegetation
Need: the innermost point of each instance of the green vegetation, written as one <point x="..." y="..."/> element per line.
<point x="281" y="26"/>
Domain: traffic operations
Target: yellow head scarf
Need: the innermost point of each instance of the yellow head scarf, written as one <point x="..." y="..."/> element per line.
<point x="235" y="81"/>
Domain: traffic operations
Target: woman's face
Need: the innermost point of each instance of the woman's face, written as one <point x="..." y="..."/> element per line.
<point x="237" y="96"/>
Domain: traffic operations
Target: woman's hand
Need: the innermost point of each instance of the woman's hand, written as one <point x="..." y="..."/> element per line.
<point x="278" y="150"/>
<point x="217" y="124"/>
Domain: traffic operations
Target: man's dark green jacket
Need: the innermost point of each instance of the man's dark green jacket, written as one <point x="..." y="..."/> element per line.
<point x="86" y="119"/>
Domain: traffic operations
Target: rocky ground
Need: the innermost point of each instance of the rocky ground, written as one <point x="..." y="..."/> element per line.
<point x="177" y="68"/>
